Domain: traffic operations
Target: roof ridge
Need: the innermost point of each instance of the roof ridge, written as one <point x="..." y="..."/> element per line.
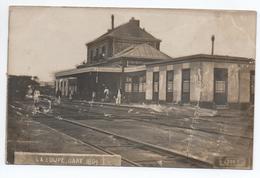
<point x="146" y="35"/>
<point x="108" y="31"/>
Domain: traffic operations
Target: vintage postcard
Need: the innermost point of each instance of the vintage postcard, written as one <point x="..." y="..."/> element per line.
<point x="131" y="87"/>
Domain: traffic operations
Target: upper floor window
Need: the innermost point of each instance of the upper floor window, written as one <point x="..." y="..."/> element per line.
<point x="103" y="51"/>
<point x="97" y="51"/>
<point x="91" y="54"/>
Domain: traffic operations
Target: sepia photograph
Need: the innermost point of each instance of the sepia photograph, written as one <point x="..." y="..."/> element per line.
<point x="131" y="87"/>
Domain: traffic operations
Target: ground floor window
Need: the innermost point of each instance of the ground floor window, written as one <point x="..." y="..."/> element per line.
<point x="142" y="82"/>
<point x="156" y="86"/>
<point x="170" y="81"/>
<point x="185" y="85"/>
<point x="128" y="84"/>
<point x="220" y="86"/>
<point x="169" y="86"/>
<point x="136" y="84"/>
<point x="156" y="82"/>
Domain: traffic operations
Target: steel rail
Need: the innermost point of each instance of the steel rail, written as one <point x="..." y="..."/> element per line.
<point x="152" y="147"/>
<point x="172" y="126"/>
<point x="98" y="148"/>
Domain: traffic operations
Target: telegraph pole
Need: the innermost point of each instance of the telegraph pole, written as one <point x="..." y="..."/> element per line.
<point x="212" y="44"/>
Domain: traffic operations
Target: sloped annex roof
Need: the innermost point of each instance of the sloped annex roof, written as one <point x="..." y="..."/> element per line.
<point x="104" y="69"/>
<point x="129" y="30"/>
<point x="205" y="58"/>
<point x="141" y="51"/>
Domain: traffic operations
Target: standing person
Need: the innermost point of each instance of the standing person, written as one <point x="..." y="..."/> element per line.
<point x="36" y="100"/>
<point x="93" y="96"/>
<point x="71" y="93"/>
<point x="106" y="93"/>
<point x="36" y="95"/>
<point x="58" y="95"/>
<point x="29" y="92"/>
<point x="119" y="97"/>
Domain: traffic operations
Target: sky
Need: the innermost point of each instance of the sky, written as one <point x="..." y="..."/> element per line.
<point x="44" y="40"/>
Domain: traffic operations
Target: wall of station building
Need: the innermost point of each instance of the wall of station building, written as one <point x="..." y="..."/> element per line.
<point x="139" y="86"/>
<point x="202" y="82"/>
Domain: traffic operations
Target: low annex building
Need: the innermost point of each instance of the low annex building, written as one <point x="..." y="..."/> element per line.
<point x="127" y="57"/>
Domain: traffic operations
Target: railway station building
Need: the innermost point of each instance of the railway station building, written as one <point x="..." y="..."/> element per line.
<point x="127" y="57"/>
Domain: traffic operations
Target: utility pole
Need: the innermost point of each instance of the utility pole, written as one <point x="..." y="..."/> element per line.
<point x="112" y="22"/>
<point x="123" y="64"/>
<point x="212" y="44"/>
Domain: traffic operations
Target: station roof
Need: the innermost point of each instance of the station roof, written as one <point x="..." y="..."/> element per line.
<point x="86" y="70"/>
<point x="129" y="30"/>
<point x="141" y="51"/>
<point x="103" y="69"/>
<point x="205" y="58"/>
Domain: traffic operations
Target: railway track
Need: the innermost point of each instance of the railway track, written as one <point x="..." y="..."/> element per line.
<point x="58" y="127"/>
<point x="110" y="143"/>
<point x="85" y="107"/>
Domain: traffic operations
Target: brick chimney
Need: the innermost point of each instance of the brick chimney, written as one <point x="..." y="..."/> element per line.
<point x="134" y="21"/>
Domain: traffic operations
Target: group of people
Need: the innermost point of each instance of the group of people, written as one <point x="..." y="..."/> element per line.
<point x="39" y="101"/>
<point x="106" y="98"/>
<point x="34" y="93"/>
<point x="59" y="94"/>
<point x="118" y="97"/>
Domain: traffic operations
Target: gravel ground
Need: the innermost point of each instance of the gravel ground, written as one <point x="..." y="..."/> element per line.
<point x="27" y="135"/>
<point x="225" y="133"/>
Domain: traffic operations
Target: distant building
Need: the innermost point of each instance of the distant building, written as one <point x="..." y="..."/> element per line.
<point x="128" y="57"/>
<point x="44" y="83"/>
